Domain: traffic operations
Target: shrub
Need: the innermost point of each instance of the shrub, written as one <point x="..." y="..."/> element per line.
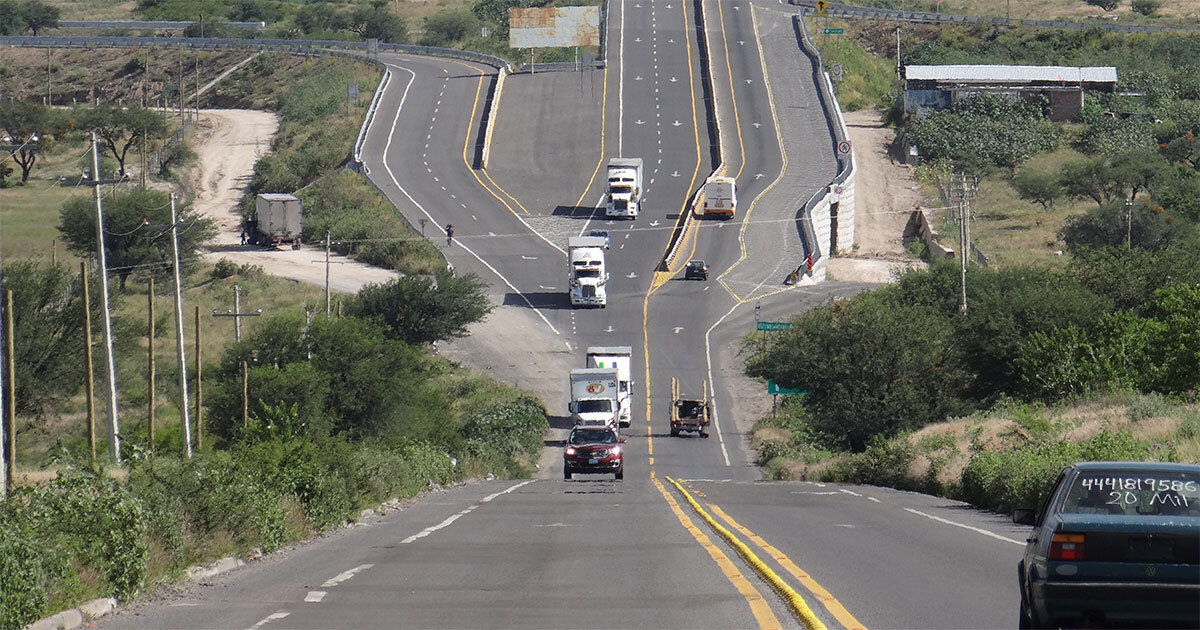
<point x="1146" y="7"/>
<point x="883" y="463"/>
<point x="986" y="128"/>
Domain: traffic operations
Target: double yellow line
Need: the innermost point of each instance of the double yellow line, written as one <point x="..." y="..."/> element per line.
<point x="794" y="602"/>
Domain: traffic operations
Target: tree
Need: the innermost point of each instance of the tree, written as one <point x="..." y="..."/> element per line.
<point x="39" y="15"/>
<point x="22" y="121"/>
<point x="1090" y="178"/>
<point x="137" y="235"/>
<point x="10" y="18"/>
<point x="1130" y="277"/>
<point x="47" y="334"/>
<point x="318" y="18"/>
<point x="423" y="309"/>
<point x="1139" y="170"/>
<point x="1146" y="7"/>
<point x="870" y="367"/>
<point x="1112" y="224"/>
<point x="1107" y="5"/>
<point x="1179" y="193"/>
<point x="1038" y="186"/>
<point x="122" y="127"/>
<point x="448" y="26"/>
<point x="496" y="11"/>
<point x="378" y="23"/>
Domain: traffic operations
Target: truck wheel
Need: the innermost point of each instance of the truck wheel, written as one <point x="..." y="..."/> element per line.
<point x="704" y="434"/>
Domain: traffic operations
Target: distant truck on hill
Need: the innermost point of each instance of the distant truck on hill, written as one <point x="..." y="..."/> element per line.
<point x="278" y="220"/>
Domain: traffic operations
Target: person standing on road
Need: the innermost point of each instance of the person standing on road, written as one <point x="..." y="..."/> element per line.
<point x="449" y="234"/>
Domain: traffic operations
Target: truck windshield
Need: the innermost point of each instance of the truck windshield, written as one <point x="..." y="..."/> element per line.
<point x="587" y="273"/>
<point x="595" y="406"/>
<point x="621" y="189"/>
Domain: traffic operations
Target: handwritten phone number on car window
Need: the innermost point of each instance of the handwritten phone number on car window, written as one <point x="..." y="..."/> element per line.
<point x="1148" y="484"/>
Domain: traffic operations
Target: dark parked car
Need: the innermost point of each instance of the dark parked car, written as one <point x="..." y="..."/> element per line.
<point x="696" y="270"/>
<point x="1114" y="543"/>
<point x="594" y="450"/>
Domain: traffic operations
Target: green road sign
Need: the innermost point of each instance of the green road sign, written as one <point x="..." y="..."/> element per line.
<point x="834" y="31"/>
<point x="774" y="325"/>
<point x="773" y="388"/>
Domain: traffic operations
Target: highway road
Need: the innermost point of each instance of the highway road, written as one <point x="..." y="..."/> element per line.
<point x="593" y="552"/>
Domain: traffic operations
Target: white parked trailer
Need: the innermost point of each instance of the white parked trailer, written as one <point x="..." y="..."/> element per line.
<point x="279" y="219"/>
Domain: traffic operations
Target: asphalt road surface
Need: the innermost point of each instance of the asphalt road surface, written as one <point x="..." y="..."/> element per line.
<point x="594" y="552"/>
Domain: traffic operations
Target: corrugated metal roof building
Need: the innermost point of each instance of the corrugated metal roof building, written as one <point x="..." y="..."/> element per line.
<point x="938" y="87"/>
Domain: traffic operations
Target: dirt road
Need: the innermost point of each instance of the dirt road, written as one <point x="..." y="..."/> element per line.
<point x="229" y="143"/>
<point x="885" y="193"/>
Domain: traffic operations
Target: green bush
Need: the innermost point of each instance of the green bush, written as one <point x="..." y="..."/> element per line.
<point x="24" y="579"/>
<point x="884" y="463"/>
<point x="986" y="128"/>
<point x="1021" y="477"/>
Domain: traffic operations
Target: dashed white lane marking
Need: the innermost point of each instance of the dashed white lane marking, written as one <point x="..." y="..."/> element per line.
<point x="315" y="596"/>
<point x="510" y="489"/>
<point x="850" y="492"/>
<point x="345" y="575"/>
<point x="968" y="527"/>
<point x="875" y="500"/>
<point x="446" y="523"/>
<point x="271" y="617"/>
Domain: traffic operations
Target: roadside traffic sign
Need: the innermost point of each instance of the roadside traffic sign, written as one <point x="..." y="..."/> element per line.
<point x="843" y="148"/>
<point x="833" y="31"/>
<point x="773" y="325"/>
<point x="835" y="72"/>
<point x="820" y="6"/>
<point x="774" y="388"/>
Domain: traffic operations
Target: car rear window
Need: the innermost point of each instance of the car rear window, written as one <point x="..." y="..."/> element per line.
<point x="1132" y="492"/>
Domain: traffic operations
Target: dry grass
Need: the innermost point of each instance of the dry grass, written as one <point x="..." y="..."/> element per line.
<point x="1172" y="11"/>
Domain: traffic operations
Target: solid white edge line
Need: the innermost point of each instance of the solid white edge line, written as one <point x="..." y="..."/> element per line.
<point x="711" y="385"/>
<point x="974" y="529"/>
<point x="392" y="176"/>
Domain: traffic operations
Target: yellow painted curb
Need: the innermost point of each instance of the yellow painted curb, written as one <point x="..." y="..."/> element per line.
<point x="791" y="598"/>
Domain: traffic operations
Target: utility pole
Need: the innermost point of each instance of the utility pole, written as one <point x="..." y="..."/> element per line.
<point x="237" y="313"/>
<point x="10" y="401"/>
<point x="179" y="82"/>
<point x="245" y="396"/>
<point x="328" y="311"/>
<point x="199" y="417"/>
<point x="962" y="233"/>
<point x="49" y="95"/>
<point x="179" y="344"/>
<point x="114" y="443"/>
<point x="1128" y="225"/>
<point x="150" y="363"/>
<point x="87" y="351"/>
<point x="898" y="73"/>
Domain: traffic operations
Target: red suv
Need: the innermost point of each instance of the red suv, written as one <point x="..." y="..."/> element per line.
<point x="594" y="450"/>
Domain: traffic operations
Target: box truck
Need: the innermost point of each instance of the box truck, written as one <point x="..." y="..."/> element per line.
<point x="620" y="358"/>
<point x="594" y="397"/>
<point x="278" y="220"/>
<point x="720" y="197"/>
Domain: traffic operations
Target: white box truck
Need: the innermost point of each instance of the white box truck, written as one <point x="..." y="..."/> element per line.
<point x="588" y="274"/>
<point x="624" y="187"/>
<point x="621" y="358"/>
<point x="594" y="397"/>
<point x="720" y="197"/>
<point x="278" y="219"/>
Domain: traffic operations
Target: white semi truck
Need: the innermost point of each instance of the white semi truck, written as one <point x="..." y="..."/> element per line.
<point x="595" y="399"/>
<point x="624" y="187"/>
<point x="588" y="274"/>
<point x="620" y="358"/>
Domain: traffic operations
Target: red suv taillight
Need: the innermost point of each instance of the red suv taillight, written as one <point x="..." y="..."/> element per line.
<point x="1066" y="547"/>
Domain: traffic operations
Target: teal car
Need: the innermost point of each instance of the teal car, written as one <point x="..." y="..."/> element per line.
<point x="1114" y="544"/>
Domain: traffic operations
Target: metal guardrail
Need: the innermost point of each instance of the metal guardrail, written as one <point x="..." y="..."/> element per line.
<point x="370" y="115"/>
<point x="142" y="24"/>
<point x="852" y="11"/>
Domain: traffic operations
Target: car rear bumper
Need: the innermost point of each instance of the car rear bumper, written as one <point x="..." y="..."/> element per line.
<point x="1163" y="604"/>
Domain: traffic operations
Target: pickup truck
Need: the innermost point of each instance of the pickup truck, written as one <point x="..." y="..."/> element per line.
<point x="689" y="414"/>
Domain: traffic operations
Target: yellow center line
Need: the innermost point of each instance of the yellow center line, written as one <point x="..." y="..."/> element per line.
<point x="782" y="169"/>
<point x="830" y="602"/>
<point x="467" y="139"/>
<point x="758" y="605"/>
